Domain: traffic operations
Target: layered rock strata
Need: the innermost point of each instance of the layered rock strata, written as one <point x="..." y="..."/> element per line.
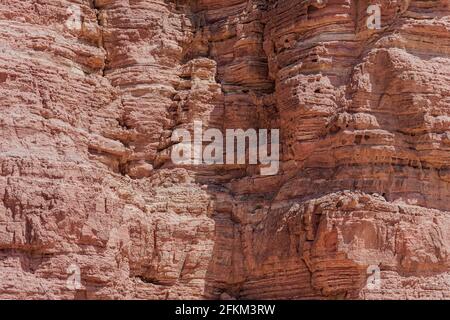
<point x="88" y="109"/>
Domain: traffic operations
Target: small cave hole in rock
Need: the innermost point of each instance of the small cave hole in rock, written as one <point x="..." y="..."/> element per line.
<point x="311" y="10"/>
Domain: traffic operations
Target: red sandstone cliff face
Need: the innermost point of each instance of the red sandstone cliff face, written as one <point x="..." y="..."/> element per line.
<point x="86" y="178"/>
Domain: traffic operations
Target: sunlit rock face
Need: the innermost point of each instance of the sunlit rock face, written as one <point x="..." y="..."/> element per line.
<point x="89" y="192"/>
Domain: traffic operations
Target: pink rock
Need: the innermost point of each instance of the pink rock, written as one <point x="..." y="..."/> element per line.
<point x="93" y="208"/>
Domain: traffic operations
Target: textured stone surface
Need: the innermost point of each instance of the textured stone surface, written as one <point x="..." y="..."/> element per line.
<point x="85" y="170"/>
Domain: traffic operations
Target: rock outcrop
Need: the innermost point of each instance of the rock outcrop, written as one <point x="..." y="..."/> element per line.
<point x="91" y="91"/>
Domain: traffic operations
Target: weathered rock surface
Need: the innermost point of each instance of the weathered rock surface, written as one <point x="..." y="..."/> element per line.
<point x="87" y="113"/>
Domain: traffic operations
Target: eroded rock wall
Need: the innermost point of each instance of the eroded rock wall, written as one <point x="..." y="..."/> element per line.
<point x="86" y="178"/>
